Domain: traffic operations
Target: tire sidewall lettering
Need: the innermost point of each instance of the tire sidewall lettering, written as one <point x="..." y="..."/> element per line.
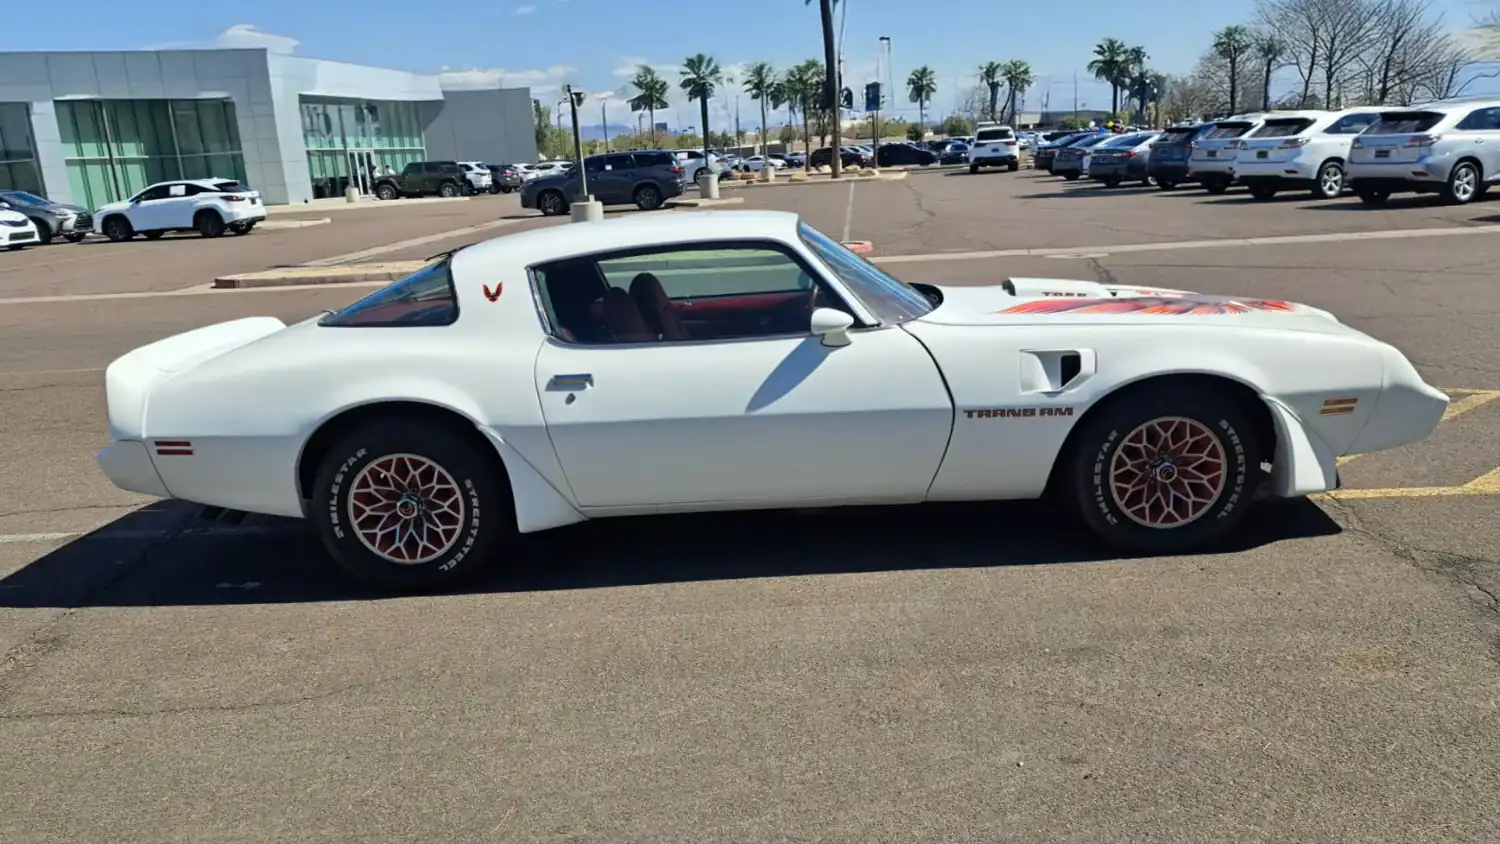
<point x="1230" y="498"/>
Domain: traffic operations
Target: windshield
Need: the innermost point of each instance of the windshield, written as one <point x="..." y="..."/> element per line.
<point x="424" y="298"/>
<point x="22" y="197"/>
<point x="891" y="301"/>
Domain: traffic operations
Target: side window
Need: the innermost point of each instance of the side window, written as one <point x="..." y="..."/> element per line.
<point x="1352" y="124"/>
<point x="411" y="169"/>
<point x="619" y="162"/>
<point x="432" y="167"/>
<point x="681" y="294"/>
<point x="157" y="192"/>
<point x="1481" y="119"/>
<point x="654" y="159"/>
<point x="594" y="164"/>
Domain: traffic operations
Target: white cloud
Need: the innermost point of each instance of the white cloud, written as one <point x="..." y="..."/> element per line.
<point x="248" y="36"/>
<point x="498" y="77"/>
<point x="525" y="10"/>
<point x="628" y="65"/>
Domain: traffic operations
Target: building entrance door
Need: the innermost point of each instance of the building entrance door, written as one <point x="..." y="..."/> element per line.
<point x="362" y="171"/>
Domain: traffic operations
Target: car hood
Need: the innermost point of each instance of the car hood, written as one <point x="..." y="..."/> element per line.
<point x="9" y="216"/>
<point x="1043" y="300"/>
<point x="113" y="206"/>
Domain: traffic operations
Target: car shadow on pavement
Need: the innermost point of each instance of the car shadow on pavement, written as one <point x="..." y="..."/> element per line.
<point x="287" y="564"/>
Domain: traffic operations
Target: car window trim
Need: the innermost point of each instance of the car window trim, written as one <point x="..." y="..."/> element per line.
<point x="549" y="328"/>
<point x="452" y="291"/>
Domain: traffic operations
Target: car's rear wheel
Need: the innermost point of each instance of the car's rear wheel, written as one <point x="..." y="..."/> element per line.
<point x="209" y="224"/>
<point x="648" y="197"/>
<point x="1165" y="470"/>
<point x="1216" y="186"/>
<point x="551" y="203"/>
<point x="1463" y="184"/>
<point x="1330" y="181"/>
<point x="1166" y="184"/>
<point x="398" y="504"/>
<point x="1013" y="166"/>
<point x="118" y="229"/>
<point x="1072" y="177"/>
<point x="156" y="235"/>
<point x="75" y="237"/>
<point x="242" y="228"/>
<point x="1111" y="182"/>
<point x="973" y="168"/>
<point x="1262" y="192"/>
<point x="1373" y="197"/>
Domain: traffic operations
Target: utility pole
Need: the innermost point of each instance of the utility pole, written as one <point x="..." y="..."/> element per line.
<point x="1075" y="97"/>
<point x="604" y="119"/>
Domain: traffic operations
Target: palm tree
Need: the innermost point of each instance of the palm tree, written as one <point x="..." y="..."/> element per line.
<point x="920" y="87"/>
<point x="1231" y="44"/>
<point x="760" y="84"/>
<point x="652" y="94"/>
<point x="1111" y="58"/>
<point x="1018" y="77"/>
<point x="801" y="87"/>
<point x="989" y="74"/>
<point x="701" y="76"/>
<point x="829" y="96"/>
<point x="1270" y="49"/>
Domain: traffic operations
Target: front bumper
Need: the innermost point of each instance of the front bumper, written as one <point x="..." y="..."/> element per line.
<point x="128" y="465"/>
<point x="17" y="235"/>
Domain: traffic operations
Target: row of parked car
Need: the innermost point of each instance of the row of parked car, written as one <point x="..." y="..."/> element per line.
<point x="1450" y="148"/>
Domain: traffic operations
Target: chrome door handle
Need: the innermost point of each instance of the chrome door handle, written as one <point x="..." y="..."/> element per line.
<point x="577" y="381"/>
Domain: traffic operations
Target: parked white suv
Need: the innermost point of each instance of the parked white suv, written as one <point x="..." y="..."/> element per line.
<point x="1450" y="148"/>
<point x="1211" y="161"/>
<point x="994" y="146"/>
<point x="208" y="206"/>
<point x="1306" y="150"/>
<point x="479" y="175"/>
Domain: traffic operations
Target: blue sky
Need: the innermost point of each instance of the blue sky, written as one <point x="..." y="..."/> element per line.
<point x="594" y="44"/>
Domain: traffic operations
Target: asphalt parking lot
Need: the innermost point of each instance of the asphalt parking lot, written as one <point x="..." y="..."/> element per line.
<point x="918" y="674"/>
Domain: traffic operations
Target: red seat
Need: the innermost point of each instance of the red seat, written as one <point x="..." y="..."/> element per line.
<point x="619" y="316"/>
<point x="654" y="305"/>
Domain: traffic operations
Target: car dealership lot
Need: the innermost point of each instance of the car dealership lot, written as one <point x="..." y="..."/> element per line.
<point x="969" y="672"/>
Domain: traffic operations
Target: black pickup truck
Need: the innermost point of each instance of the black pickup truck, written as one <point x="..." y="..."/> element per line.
<point x="421" y="178"/>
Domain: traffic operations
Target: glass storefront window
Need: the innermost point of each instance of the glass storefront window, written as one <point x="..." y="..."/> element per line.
<point x="18" y="167"/>
<point x="115" y="148"/>
<point x="390" y="130"/>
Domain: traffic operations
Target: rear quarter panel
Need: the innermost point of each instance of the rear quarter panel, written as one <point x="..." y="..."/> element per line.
<point x="993" y="368"/>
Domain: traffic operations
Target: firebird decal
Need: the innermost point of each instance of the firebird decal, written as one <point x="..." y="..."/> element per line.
<point x="1017" y="412"/>
<point x="1155" y="305"/>
<point x="492" y="296"/>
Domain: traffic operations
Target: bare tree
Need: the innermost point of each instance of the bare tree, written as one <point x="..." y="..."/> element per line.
<point x="1299" y="25"/>
<point x="1350" y="29"/>
<point x="1406" y="38"/>
<point x="1443" y="75"/>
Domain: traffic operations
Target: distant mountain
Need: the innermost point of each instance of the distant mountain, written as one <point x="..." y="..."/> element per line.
<point x="595" y="131"/>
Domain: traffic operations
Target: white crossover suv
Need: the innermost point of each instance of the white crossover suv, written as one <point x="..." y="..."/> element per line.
<point x="479" y="175"/>
<point x="207" y="206"/>
<point x="1211" y="159"/>
<point x="994" y="146"/>
<point x="16" y="230"/>
<point x="1448" y="148"/>
<point x="1306" y="150"/>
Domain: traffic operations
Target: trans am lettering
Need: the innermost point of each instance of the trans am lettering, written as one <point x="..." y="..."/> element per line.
<point x="1017" y="412"/>
<point x="1152" y="305"/>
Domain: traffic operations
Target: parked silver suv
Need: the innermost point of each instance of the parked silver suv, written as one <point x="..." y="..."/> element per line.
<point x="1451" y="148"/>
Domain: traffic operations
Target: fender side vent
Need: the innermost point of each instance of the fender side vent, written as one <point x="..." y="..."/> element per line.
<point x="1069" y="365"/>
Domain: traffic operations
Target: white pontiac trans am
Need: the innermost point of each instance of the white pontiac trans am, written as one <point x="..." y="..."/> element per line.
<point x="738" y="360"/>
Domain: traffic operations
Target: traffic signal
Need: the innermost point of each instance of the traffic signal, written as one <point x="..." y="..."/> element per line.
<point x="872" y="96"/>
<point x="847" y="99"/>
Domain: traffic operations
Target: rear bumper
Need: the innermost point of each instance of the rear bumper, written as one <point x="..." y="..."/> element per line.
<point x="1292" y="171"/>
<point x="1221" y="168"/>
<point x="1419" y="176"/>
<point x="128" y="465"/>
<point x="1067" y="166"/>
<point x="1176" y="171"/>
<point x="1276" y="182"/>
<point x="993" y="159"/>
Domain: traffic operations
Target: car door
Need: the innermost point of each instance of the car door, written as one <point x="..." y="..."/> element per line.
<point x="151" y="211"/>
<point x="1480" y="135"/>
<point x="619" y="178"/>
<point x="686" y="376"/>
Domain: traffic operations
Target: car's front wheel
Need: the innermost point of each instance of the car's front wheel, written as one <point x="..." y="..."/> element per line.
<point x="1216" y="186"/>
<point x="43" y="231"/>
<point x="1373" y="197"/>
<point x="1463" y="184"/>
<point x="447" y="190"/>
<point x="403" y="504"/>
<point x="243" y="227"/>
<point x="1330" y="181"/>
<point x="551" y="203"/>
<point x="118" y="229"/>
<point x="1165" y="470"/>
<point x="386" y="192"/>
<point x="209" y="224"/>
<point x="75" y="237"/>
<point x="1166" y="184"/>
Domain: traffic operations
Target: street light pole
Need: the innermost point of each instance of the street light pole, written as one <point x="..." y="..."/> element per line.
<point x="574" y="99"/>
<point x="604" y="119"/>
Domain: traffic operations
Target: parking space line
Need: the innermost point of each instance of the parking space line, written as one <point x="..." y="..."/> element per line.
<point x="1472" y="400"/>
<point x="157" y="533"/>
